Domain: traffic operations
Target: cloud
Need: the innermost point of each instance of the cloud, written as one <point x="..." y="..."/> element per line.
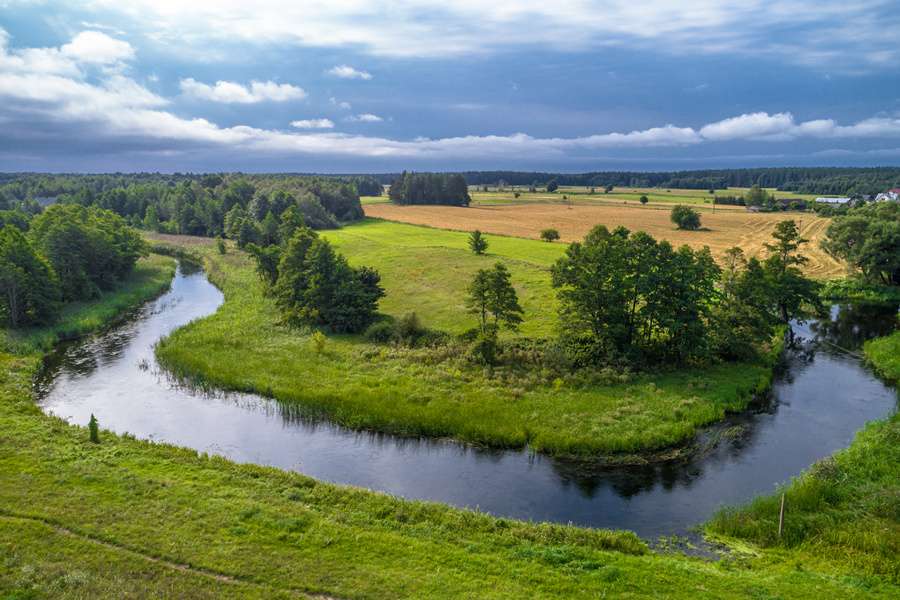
<point x="348" y="72"/>
<point x="828" y="34"/>
<point x="98" y="48"/>
<point x="313" y="124"/>
<point x="342" y="105"/>
<point x="228" y="92"/>
<point x="752" y="126"/>
<point x="364" y="118"/>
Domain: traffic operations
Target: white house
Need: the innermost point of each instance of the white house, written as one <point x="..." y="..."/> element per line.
<point x="892" y="195"/>
<point x="832" y="200"/>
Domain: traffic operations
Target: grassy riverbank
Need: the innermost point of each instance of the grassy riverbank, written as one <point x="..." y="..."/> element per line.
<point x="126" y="518"/>
<point x="845" y="509"/>
<point x="405" y="391"/>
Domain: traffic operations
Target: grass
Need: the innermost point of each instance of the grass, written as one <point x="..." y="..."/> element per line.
<point x="127" y="518"/>
<point x="409" y="392"/>
<point x="720" y="230"/>
<point x="844" y="509"/>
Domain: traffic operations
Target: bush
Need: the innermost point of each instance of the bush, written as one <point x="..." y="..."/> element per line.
<point x="686" y="217"/>
<point x="484" y="349"/>
<point x="549" y="235"/>
<point x="380" y="332"/>
<point x="408" y="329"/>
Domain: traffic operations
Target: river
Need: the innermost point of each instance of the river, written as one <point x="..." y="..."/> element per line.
<point x="821" y="396"/>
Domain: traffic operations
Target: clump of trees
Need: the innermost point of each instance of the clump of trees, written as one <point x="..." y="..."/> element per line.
<point x="868" y="239"/>
<point x="430" y="188"/>
<point x="685" y="217"/>
<point x="627" y="297"/>
<point x="66" y="253"/>
<point x="493" y="299"/>
<point x="550" y="235"/>
<point x="312" y="284"/>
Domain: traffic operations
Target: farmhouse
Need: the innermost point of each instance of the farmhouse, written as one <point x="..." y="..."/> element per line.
<point x="892" y="195"/>
<point x="832" y="200"/>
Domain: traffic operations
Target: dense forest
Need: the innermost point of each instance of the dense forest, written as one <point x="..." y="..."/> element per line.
<point x="430" y="188"/>
<point x="207" y="205"/>
<point x="806" y="180"/>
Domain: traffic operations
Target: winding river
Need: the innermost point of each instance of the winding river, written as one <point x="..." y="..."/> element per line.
<point x="819" y="399"/>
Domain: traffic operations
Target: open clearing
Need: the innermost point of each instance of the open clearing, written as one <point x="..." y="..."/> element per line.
<point x="722" y="229"/>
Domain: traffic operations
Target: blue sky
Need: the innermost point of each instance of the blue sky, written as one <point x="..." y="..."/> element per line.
<point x="365" y="86"/>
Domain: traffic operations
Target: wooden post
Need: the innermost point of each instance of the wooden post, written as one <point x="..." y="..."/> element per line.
<point x="781" y="517"/>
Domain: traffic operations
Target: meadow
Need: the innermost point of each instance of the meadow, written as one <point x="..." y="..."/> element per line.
<point x="405" y="391"/>
<point x="128" y="518"/>
<point x="720" y="230"/>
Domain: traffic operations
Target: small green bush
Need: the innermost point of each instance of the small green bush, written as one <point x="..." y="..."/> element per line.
<point x="380" y="332"/>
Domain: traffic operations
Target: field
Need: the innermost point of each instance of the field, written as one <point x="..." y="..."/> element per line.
<point x="721" y="230"/>
<point x="406" y="391"/>
<point x="128" y="518"/>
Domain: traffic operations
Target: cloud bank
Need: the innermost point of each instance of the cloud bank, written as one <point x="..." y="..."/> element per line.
<point x="228" y="92"/>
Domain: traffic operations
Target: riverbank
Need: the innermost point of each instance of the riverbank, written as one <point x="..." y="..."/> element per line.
<point x="132" y="518"/>
<point x="243" y="347"/>
<point x="844" y="509"/>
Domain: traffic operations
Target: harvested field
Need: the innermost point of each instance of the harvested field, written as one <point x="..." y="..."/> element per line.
<point x="722" y="229"/>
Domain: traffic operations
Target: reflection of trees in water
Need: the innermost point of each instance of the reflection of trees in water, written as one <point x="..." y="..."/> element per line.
<point x="855" y="323"/>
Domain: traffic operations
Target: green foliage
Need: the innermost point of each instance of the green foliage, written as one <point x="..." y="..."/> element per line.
<point x="790" y="290"/>
<point x="220" y="246"/>
<point x="549" y="235"/>
<point x="267" y="259"/>
<point x="686" y="217"/>
<point x="477" y="242"/>
<point x="644" y="199"/>
<point x="552" y="186"/>
<point x="430" y="188"/>
<point x="29" y="287"/>
<point x="90" y="249"/>
<point x="94" y="430"/>
<point x="318" y="340"/>
<point x="628" y="295"/>
<point x="868" y="239"/>
<point x="315" y="285"/>
<point x="493" y="299"/>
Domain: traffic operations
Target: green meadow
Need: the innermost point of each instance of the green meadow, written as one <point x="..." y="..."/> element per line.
<point x="426" y="392"/>
<point x="128" y="518"/>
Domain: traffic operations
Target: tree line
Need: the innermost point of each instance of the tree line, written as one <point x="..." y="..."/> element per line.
<point x="66" y="253"/>
<point x="430" y="188"/>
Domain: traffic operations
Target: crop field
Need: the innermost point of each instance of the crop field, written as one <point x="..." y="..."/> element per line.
<point x="721" y="230"/>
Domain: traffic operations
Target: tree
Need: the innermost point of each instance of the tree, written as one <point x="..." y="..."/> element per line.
<point x="644" y="199"/>
<point x="268" y="230"/>
<point x="151" y="219"/>
<point x="790" y="290"/>
<point x="552" y="186"/>
<point x="608" y="189"/>
<point x="493" y="298"/>
<point x="267" y="259"/>
<point x="94" y="430"/>
<point x="549" y="235"/>
<point x="477" y="243"/>
<point x="868" y="239"/>
<point x="686" y="217"/>
<point x="28" y="284"/>
<point x="756" y="196"/>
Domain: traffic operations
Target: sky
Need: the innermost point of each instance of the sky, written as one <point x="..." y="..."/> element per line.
<point x="377" y="86"/>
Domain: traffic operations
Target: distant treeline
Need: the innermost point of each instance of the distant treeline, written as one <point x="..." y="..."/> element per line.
<point x="196" y="204"/>
<point x="811" y="180"/>
<point x="430" y="188"/>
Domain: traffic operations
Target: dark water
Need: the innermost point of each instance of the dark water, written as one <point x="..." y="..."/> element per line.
<point x="823" y="396"/>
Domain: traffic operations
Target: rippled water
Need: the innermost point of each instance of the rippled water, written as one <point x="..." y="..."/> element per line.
<point x="819" y="400"/>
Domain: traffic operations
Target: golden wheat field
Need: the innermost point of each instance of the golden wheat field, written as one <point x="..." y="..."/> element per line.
<point x="721" y="229"/>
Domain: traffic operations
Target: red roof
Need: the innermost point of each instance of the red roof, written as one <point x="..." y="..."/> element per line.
<point x="895" y="190"/>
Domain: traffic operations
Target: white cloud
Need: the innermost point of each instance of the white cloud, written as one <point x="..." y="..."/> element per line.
<point x="754" y="125"/>
<point x="348" y="72"/>
<point x="98" y="48"/>
<point x="342" y="105"/>
<point x="229" y="92"/>
<point x="364" y="118"/>
<point x="313" y="124"/>
<point x="824" y="33"/>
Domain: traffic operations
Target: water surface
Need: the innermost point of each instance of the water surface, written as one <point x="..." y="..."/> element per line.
<point x="821" y="397"/>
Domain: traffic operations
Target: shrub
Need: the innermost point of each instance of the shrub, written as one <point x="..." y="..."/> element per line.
<point x="380" y="332"/>
<point x="409" y="329"/>
<point x="686" y="217"/>
<point x="94" y="430"/>
<point x="220" y="246"/>
<point x="549" y="235"/>
<point x="477" y="243"/>
<point x="318" y="340"/>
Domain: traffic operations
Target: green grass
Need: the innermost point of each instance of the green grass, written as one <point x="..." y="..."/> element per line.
<point x="844" y="509"/>
<point x="127" y="518"/>
<point x="150" y="277"/>
<point x="243" y="347"/>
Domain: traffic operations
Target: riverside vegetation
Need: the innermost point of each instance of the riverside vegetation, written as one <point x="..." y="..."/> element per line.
<point x="127" y="517"/>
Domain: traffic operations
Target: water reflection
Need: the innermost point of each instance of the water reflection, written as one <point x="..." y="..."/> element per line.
<point x="820" y="397"/>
